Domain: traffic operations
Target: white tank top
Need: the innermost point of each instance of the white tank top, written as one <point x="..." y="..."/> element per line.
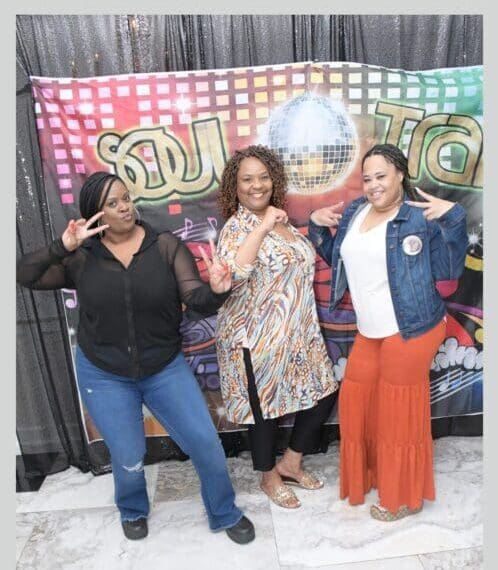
<point x="364" y="258"/>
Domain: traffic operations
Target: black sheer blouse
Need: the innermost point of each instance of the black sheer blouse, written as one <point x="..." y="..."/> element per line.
<point x="129" y="320"/>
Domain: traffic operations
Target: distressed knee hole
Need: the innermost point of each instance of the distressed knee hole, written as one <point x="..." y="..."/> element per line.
<point x="135" y="468"/>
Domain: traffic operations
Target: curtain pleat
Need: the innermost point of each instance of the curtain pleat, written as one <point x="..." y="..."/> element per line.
<point x="48" y="417"/>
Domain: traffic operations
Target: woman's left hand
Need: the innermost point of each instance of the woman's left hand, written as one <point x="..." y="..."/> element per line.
<point x="220" y="278"/>
<point x="434" y="208"/>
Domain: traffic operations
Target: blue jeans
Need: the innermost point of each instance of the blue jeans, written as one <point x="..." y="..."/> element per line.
<point x="174" y="397"/>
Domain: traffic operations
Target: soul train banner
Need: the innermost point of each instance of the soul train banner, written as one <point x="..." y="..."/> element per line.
<point x="168" y="135"/>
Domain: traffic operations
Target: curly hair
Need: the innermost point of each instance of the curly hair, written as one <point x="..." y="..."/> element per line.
<point x="396" y="157"/>
<point x="228" y="201"/>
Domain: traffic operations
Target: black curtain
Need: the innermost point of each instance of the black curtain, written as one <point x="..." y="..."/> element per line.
<point x="49" y="429"/>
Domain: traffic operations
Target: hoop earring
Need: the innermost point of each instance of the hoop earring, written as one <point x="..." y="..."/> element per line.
<point x="137" y="213"/>
<point x="102" y="233"/>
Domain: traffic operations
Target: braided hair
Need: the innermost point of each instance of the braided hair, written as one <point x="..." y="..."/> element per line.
<point x="228" y="201"/>
<point x="94" y="193"/>
<point x="396" y="157"/>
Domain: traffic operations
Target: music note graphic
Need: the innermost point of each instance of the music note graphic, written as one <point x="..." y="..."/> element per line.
<point x="213" y="222"/>
<point x="188" y="225"/>
<point x="201" y="231"/>
<point x="213" y="231"/>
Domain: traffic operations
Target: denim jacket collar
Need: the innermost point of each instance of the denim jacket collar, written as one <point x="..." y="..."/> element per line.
<point x="403" y="214"/>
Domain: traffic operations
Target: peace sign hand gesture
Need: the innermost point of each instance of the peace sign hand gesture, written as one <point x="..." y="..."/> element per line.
<point x="434" y="208"/>
<point x="77" y="231"/>
<point x="328" y="216"/>
<point x="220" y="278"/>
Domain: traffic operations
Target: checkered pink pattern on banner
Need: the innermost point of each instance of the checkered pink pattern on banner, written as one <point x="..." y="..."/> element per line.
<point x="73" y="113"/>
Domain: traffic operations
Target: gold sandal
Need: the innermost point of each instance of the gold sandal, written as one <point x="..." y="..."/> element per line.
<point x="381" y="514"/>
<point x="283" y="496"/>
<point x="308" y="480"/>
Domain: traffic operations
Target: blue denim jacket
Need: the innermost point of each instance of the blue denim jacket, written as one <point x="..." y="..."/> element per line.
<point x="412" y="278"/>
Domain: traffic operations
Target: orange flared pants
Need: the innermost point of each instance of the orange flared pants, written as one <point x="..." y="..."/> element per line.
<point x="385" y="420"/>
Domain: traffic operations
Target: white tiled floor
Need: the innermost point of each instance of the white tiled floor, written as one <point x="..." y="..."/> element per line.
<point x="71" y="522"/>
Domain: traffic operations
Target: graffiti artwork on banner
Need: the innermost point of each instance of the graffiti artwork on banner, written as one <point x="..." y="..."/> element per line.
<point x="169" y="135"/>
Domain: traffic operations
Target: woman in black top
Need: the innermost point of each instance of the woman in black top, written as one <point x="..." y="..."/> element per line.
<point x="131" y="284"/>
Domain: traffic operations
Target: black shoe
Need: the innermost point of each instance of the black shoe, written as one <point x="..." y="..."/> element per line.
<point x="135" y="530"/>
<point x="242" y="532"/>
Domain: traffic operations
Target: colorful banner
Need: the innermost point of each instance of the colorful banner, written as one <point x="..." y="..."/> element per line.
<point x="168" y="135"/>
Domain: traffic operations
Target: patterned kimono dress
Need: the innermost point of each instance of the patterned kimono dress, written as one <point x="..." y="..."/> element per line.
<point x="272" y="312"/>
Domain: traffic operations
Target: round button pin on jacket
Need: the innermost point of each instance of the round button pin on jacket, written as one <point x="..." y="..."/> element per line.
<point x="412" y="245"/>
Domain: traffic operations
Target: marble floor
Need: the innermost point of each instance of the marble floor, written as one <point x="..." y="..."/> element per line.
<point x="71" y="523"/>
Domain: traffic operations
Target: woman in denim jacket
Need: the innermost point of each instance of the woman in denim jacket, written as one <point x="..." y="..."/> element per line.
<point x="389" y="250"/>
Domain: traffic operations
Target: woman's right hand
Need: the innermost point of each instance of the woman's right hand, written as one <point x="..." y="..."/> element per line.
<point x="272" y="217"/>
<point x="327" y="216"/>
<point x="77" y="231"/>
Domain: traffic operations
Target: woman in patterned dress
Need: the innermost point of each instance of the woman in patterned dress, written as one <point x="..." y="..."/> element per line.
<point x="271" y="352"/>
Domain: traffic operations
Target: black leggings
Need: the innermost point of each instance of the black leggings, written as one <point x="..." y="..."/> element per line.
<point x="263" y="433"/>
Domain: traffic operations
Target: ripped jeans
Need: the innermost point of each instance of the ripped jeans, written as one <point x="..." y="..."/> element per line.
<point x="173" y="395"/>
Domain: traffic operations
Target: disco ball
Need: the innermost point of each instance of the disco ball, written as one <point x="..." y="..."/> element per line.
<point x="316" y="140"/>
